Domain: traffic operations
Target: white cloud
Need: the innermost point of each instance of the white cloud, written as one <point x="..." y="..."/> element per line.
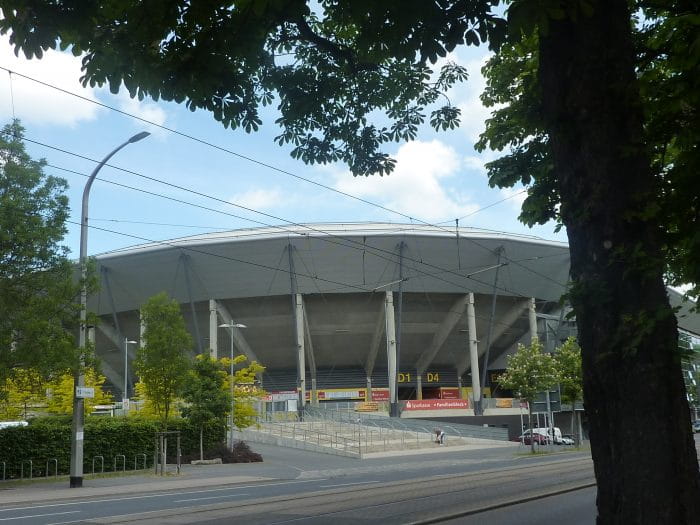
<point x="259" y="199"/>
<point x="416" y="186"/>
<point x="39" y="104"/>
<point x="149" y="111"/>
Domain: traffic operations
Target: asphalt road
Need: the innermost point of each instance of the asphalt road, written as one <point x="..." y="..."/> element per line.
<point x="312" y="488"/>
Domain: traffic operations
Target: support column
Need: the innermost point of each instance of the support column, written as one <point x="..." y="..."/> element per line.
<point x="390" y="330"/>
<point x="419" y="386"/>
<point x="301" y="358"/>
<point x="532" y="314"/>
<point x="368" y="397"/>
<point x="193" y="312"/>
<point x="473" y="353"/>
<point x="459" y="386"/>
<point x="142" y="329"/>
<point x="309" y="353"/>
<point x="213" y="330"/>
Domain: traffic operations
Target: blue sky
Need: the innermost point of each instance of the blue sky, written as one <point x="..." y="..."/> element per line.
<point x="438" y="178"/>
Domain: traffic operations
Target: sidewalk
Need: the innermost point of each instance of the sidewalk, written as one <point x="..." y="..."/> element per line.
<point x="190" y="478"/>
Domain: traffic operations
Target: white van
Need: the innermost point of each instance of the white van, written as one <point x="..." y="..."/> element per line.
<point x="545" y="431"/>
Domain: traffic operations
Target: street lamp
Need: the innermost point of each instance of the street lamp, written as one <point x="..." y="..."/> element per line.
<point x="125" y="393"/>
<point x="76" y="445"/>
<point x="231" y="325"/>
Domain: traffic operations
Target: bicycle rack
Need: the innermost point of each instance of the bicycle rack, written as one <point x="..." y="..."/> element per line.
<point x="136" y="458"/>
<point x="21" y="470"/>
<point x="55" y="465"/>
<point x="123" y="462"/>
<point x="102" y="461"/>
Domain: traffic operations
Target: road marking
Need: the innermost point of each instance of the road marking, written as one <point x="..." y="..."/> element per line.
<point x="40" y="515"/>
<point x="210" y="497"/>
<point x="347" y="484"/>
<point x="161" y="495"/>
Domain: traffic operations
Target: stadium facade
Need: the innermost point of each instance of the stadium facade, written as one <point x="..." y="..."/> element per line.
<point x="342" y="311"/>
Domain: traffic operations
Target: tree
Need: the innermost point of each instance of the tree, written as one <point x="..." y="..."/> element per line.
<point x="38" y="307"/>
<point x="529" y="371"/>
<point x="22" y="389"/>
<point x="205" y="394"/>
<point x="246" y="390"/>
<point x="339" y="65"/>
<point x="60" y="400"/>
<point x="567" y="360"/>
<point x="162" y="362"/>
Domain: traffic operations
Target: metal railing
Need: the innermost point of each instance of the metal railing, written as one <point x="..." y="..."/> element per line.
<point x="467" y="432"/>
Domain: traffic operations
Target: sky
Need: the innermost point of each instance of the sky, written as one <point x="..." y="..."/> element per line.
<point x="438" y="177"/>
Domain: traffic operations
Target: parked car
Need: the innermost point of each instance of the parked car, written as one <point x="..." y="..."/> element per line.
<point x="696" y="425"/>
<point x="568" y="439"/>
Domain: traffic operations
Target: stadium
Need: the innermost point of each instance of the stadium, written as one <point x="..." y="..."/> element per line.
<point x="348" y="312"/>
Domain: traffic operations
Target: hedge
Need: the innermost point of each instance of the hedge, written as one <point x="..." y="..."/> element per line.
<point x="46" y="439"/>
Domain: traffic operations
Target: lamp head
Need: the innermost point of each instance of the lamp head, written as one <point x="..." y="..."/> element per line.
<point x="139" y="136"/>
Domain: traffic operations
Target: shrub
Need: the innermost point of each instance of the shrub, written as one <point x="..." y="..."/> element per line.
<point x="49" y="438"/>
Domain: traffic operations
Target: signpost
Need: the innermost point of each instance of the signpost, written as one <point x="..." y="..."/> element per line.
<point x="84" y="392"/>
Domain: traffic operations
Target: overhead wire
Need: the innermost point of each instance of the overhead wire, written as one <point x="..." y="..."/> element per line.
<point x="258" y="162"/>
<point x="361" y="246"/>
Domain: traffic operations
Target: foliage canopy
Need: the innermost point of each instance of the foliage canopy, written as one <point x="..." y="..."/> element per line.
<point x="38" y="307"/>
<point x="162" y="362"/>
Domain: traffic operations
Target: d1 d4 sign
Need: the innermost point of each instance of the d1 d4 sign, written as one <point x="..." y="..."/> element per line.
<point x="84" y="392"/>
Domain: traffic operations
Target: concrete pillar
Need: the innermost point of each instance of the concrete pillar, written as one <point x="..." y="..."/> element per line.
<point x="142" y="329"/>
<point x="419" y="386"/>
<point x="301" y="358"/>
<point x="213" y="330"/>
<point x="368" y="397"/>
<point x="314" y="392"/>
<point x="459" y="386"/>
<point x="390" y="331"/>
<point x="532" y="314"/>
<point x="473" y="350"/>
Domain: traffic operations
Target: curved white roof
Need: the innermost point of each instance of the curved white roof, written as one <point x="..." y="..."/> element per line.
<point x="335" y="258"/>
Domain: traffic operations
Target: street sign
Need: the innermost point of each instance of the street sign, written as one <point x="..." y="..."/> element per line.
<point x="84" y="392"/>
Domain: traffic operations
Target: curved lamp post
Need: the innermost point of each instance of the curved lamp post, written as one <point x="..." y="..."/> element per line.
<point x="231" y="325"/>
<point x="76" y="446"/>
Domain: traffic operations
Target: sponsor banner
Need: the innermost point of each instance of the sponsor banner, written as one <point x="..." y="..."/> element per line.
<point x="504" y="402"/>
<point x="341" y="393"/>
<point x="449" y="393"/>
<point x="436" y="404"/>
<point x="380" y="394"/>
<point x="280" y="395"/>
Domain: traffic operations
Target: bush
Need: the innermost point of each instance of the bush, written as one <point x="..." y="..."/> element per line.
<point x="241" y="454"/>
<point x="49" y="438"/>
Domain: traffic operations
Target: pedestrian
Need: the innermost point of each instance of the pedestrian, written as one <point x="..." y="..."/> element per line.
<point x="439" y="436"/>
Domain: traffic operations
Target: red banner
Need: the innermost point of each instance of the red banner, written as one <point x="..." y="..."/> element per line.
<point x="449" y="393"/>
<point x="380" y="394"/>
<point x="436" y="404"/>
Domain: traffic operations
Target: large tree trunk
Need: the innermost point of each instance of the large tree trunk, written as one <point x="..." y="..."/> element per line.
<point x="643" y="449"/>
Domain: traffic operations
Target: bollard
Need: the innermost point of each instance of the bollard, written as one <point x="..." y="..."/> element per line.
<point x="21" y="468"/>
<point x="55" y="463"/>
<point x="123" y="462"/>
<point x="136" y="463"/>
<point x="102" y="463"/>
